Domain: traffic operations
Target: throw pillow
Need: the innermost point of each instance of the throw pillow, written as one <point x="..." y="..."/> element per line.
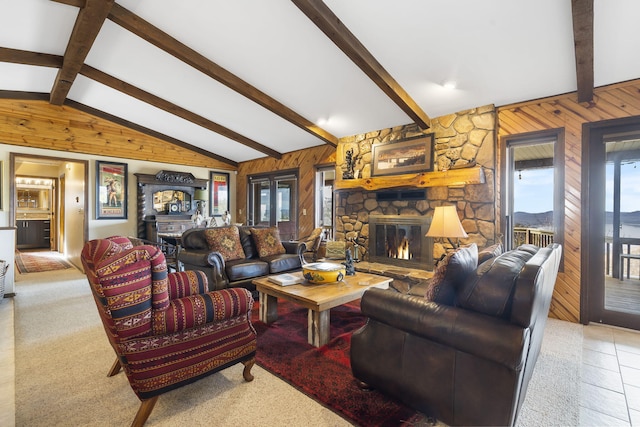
<point x="489" y="252"/>
<point x="450" y="273"/>
<point x="267" y="241"/>
<point x="225" y="240"/>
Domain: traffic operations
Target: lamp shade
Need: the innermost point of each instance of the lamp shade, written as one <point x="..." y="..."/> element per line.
<point x="445" y="223"/>
<point x="200" y="194"/>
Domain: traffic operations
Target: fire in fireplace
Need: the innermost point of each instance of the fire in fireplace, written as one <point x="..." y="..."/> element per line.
<point x="400" y="240"/>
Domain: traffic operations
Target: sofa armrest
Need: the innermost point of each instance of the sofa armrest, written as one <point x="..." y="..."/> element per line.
<point x="294" y="247"/>
<point x="196" y="310"/>
<point x="200" y="258"/>
<point x="477" y="334"/>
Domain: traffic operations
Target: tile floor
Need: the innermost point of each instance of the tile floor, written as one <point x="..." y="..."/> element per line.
<point x="610" y="388"/>
<point x="609" y="392"/>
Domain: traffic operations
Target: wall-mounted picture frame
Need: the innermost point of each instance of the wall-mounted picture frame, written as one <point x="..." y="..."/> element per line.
<point x="409" y="155"/>
<point x="219" y="193"/>
<point x="111" y="190"/>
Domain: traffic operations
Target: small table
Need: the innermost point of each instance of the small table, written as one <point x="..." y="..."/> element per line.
<point x="317" y="298"/>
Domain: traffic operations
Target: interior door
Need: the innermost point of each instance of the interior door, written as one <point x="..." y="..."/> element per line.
<point x="613" y="225"/>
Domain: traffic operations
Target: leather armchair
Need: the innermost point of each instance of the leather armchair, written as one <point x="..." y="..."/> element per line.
<point x="166" y="329"/>
<point x="470" y="362"/>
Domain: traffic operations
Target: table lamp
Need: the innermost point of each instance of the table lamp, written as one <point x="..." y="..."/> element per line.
<point x="445" y="223"/>
<point x="201" y="196"/>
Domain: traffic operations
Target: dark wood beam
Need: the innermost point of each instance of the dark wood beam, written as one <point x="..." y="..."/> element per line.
<point x="582" y="11"/>
<point x="17" y="56"/>
<point x="147" y="131"/>
<point x="164" y="41"/>
<point x="328" y="23"/>
<point x="47" y="60"/>
<point x="88" y="23"/>
<point x="169" y="107"/>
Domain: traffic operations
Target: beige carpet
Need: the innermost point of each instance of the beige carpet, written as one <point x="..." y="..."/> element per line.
<point x="62" y="357"/>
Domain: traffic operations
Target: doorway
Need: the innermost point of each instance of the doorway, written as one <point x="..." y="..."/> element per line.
<point x="273" y="202"/>
<point x="611" y="234"/>
<point x="62" y="172"/>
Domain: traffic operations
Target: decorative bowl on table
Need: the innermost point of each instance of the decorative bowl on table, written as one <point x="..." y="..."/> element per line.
<point x="323" y="272"/>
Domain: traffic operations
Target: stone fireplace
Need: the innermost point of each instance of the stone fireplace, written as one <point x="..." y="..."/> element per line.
<point x="400" y="240"/>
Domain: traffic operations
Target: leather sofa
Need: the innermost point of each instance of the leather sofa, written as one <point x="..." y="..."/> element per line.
<point x="195" y="254"/>
<point x="466" y="354"/>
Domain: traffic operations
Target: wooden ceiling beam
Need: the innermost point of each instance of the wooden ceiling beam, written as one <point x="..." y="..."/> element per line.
<point x="320" y="14"/>
<point x="176" y="110"/>
<point x="164" y="41"/>
<point x="582" y="11"/>
<point x="55" y="61"/>
<point x="25" y="57"/>
<point x="88" y="23"/>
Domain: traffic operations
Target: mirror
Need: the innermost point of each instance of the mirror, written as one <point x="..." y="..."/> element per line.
<point x="161" y="200"/>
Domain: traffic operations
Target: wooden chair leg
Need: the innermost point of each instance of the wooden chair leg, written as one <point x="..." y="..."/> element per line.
<point x="146" y="406"/>
<point x="246" y="372"/>
<point x="115" y="368"/>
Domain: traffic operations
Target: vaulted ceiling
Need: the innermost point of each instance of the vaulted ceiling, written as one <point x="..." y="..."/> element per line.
<point x="245" y="79"/>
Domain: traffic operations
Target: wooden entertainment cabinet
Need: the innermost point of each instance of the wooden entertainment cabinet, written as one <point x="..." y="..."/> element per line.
<point x="166" y="204"/>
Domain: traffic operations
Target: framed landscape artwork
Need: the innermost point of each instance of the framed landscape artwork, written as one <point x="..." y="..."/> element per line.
<point x="406" y="156"/>
<point x="219" y="185"/>
<point x="111" y="190"/>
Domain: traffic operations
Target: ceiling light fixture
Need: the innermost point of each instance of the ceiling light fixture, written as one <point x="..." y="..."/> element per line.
<point x="449" y="84"/>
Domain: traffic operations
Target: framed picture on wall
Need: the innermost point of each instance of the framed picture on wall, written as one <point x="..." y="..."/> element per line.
<point x="406" y="156"/>
<point x="111" y="190"/>
<point x="219" y="187"/>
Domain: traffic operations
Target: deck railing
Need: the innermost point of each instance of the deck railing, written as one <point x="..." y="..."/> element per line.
<point x="534" y="236"/>
<point x="613" y="259"/>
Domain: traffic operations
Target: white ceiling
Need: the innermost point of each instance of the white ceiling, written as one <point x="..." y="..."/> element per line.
<point x="498" y="52"/>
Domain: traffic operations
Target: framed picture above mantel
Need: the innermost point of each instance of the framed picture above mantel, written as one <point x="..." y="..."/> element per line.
<point x="409" y="155"/>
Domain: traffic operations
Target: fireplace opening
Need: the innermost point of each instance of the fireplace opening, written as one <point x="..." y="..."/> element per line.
<point x="400" y="240"/>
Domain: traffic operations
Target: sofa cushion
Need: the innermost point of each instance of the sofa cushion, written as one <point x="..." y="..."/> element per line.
<point x="248" y="246"/>
<point x="450" y="273"/>
<point x="490" y="289"/>
<point x="242" y="269"/>
<point x="267" y="241"/>
<point x="489" y="252"/>
<point x="282" y="262"/>
<point x="225" y="240"/>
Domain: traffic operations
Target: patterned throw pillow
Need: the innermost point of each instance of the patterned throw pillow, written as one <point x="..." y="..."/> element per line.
<point x="450" y="273"/>
<point x="225" y="240"/>
<point x="267" y="241"/>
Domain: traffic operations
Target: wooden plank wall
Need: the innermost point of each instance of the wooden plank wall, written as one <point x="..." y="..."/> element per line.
<point x="38" y="124"/>
<point x="610" y="102"/>
<point x="305" y="162"/>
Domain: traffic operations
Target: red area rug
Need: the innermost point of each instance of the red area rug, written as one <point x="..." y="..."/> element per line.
<point x="35" y="262"/>
<point x="325" y="373"/>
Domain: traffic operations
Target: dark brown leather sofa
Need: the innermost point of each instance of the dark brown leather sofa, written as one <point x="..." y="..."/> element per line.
<point x="467" y="361"/>
<point x="196" y="255"/>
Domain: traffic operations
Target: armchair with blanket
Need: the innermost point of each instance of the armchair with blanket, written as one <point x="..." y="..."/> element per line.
<point x="166" y="329"/>
<point x="464" y="350"/>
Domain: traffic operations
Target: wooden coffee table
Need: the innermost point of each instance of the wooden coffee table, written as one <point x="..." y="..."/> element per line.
<point x="317" y="298"/>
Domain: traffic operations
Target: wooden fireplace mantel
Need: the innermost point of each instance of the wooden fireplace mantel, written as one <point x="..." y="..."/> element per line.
<point x="452" y="177"/>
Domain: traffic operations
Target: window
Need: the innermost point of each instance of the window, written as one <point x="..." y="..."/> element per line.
<point x="533" y="200"/>
<point x="325" y="177"/>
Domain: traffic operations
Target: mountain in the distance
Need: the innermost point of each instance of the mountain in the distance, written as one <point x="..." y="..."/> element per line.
<point x="533" y="220"/>
<point x="545" y="219"/>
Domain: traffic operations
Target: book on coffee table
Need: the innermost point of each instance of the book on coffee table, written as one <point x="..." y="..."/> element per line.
<point x="287" y="279"/>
